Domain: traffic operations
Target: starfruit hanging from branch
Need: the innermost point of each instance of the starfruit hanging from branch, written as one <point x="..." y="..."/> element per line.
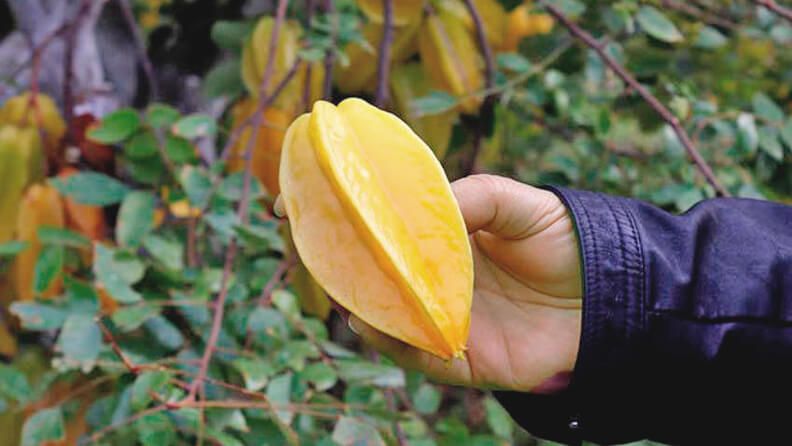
<point x="409" y="82"/>
<point x="40" y="111"/>
<point x="41" y="206"/>
<point x="360" y="74"/>
<point x="267" y="146"/>
<point x="20" y="153"/>
<point x="493" y="17"/>
<point x="452" y="58"/>
<point x="255" y="53"/>
<point x="405" y="12"/>
<point x="374" y="221"/>
<point x="523" y="23"/>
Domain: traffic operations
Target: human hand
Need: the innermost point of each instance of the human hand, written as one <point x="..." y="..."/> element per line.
<point x="526" y="314"/>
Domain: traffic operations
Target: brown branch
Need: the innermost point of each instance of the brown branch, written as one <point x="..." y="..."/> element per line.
<point x="277" y="278"/>
<point x="647" y="96"/>
<point x="68" y="68"/>
<point x="310" y="5"/>
<point x="114" y="345"/>
<point x="384" y="60"/>
<point x="488" y="105"/>
<point x="140" y="49"/>
<point x="329" y="60"/>
<point x="771" y="5"/>
<point x="244" y="202"/>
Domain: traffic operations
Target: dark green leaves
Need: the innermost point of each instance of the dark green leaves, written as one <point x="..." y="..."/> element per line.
<point x="116" y="275"/>
<point x="194" y="126"/>
<point x="161" y="115"/>
<point x="434" y="103"/>
<point x="352" y="432"/>
<point x="766" y="108"/>
<point x="13" y="384"/>
<point x="146" y="384"/>
<point x="135" y="219"/>
<point x="48" y="266"/>
<point x="91" y="188"/>
<point x="116" y="127"/>
<point x="44" y="428"/>
<point x="80" y="339"/>
<point x="657" y="25"/>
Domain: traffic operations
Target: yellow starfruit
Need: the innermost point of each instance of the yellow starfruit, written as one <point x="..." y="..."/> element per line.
<point x="409" y="82"/>
<point x="492" y="14"/>
<point x="523" y="23"/>
<point x="255" y="54"/>
<point x="452" y="59"/>
<point x="266" y="148"/>
<point x="26" y="111"/>
<point x="405" y="12"/>
<point x="360" y="75"/>
<point x="41" y="206"/>
<point x="19" y="151"/>
<point x="376" y="224"/>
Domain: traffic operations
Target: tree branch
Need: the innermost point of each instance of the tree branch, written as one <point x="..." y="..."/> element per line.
<point x="140" y="49"/>
<point x="384" y="60"/>
<point x="653" y="102"/>
<point x="776" y="8"/>
<point x="329" y="60"/>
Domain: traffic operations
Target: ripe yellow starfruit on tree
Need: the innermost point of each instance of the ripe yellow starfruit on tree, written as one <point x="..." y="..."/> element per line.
<point x="405" y="12"/>
<point x="409" y="82"/>
<point x="375" y="222"/>
<point x="255" y="54"/>
<point x="41" y="206"/>
<point x="452" y="59"/>
<point x="360" y="75"/>
<point x="492" y="14"/>
<point x="524" y="23"/>
<point x="20" y="164"/>
<point x="27" y="111"/>
<point x="267" y="147"/>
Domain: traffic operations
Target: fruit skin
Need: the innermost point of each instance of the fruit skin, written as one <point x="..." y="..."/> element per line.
<point x="405" y="12"/>
<point x="255" y="54"/>
<point x="266" y="148"/>
<point x="360" y="75"/>
<point x="20" y="152"/>
<point x="374" y="221"/>
<point x="493" y="17"/>
<point x="41" y="206"/>
<point x="452" y="59"/>
<point x="523" y="23"/>
<point x="82" y="218"/>
<point x="409" y="82"/>
<point x="313" y="300"/>
<point x="19" y="111"/>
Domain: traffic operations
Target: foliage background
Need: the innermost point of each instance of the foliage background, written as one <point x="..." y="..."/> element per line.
<point x="77" y="371"/>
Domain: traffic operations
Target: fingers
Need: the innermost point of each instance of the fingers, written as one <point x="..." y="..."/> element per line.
<point x="504" y="207"/>
<point x="455" y="372"/>
<point x="279" y="207"/>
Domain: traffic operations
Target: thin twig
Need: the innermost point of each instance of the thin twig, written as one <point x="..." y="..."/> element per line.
<point x="140" y="49"/>
<point x="488" y="104"/>
<point x="114" y="345"/>
<point x="310" y="5"/>
<point x="653" y="102"/>
<point x="244" y="203"/>
<point x="771" y="5"/>
<point x="329" y="60"/>
<point x="384" y="60"/>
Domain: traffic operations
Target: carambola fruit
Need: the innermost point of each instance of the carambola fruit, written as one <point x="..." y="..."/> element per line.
<point x="20" y="154"/>
<point x="19" y="111"/>
<point x="492" y="14"/>
<point x="405" y="12"/>
<point x="523" y="23"/>
<point x="255" y="54"/>
<point x="375" y="222"/>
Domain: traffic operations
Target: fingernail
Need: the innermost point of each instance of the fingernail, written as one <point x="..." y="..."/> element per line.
<point x="351" y="324"/>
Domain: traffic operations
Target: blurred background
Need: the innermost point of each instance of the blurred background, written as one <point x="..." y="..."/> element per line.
<point x="149" y="296"/>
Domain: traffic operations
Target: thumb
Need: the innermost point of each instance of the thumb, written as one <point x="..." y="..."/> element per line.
<point x="504" y="207"/>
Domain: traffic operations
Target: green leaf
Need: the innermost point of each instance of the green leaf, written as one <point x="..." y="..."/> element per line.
<point x="49" y="265"/>
<point x="498" y="419"/>
<point x="80" y="339"/>
<point x="367" y="373"/>
<point x="142" y="145"/>
<point x="39" y="316"/>
<point x="161" y="115"/>
<point x="224" y="79"/>
<point x="49" y="235"/>
<point x="434" y="103"/>
<point x="91" y="188"/>
<point x="113" y="276"/>
<point x="135" y="218"/>
<point x="427" y="399"/>
<point x="570" y="8"/>
<point x="786" y="133"/>
<point x="116" y="127"/>
<point x="14" y="384"/>
<point x="710" y="38"/>
<point x="164" y="332"/>
<point x="132" y="317"/>
<point x="514" y="62"/>
<point x="231" y="35"/>
<point x="321" y="375"/>
<point x="45" y="427"/>
<point x="80" y="297"/>
<point x="266" y="320"/>
<point x="279" y="393"/>
<point x="179" y="150"/>
<point x="145" y="384"/>
<point x="748" y="135"/>
<point x="352" y="432"/>
<point x="657" y="25"/>
<point x="196" y="184"/>
<point x="766" y="108"/>
<point x="155" y="429"/>
<point x="169" y="252"/>
<point x="261" y="237"/>
<point x="770" y="144"/>
<point x="12" y="248"/>
<point x="232" y="185"/>
<point x="287" y="303"/>
<point x="256" y="372"/>
<point x="194" y="126"/>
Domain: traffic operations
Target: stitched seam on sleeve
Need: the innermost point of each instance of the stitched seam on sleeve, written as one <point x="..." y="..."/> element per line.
<point x="641" y="267"/>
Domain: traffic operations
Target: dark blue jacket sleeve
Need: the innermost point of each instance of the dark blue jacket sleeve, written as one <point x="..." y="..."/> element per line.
<point x="687" y="326"/>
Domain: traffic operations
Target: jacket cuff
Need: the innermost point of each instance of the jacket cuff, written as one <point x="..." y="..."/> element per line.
<point x="600" y="400"/>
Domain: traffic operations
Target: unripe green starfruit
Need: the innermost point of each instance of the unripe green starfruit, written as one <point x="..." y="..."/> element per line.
<point x="375" y="222"/>
<point x="409" y="82"/>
